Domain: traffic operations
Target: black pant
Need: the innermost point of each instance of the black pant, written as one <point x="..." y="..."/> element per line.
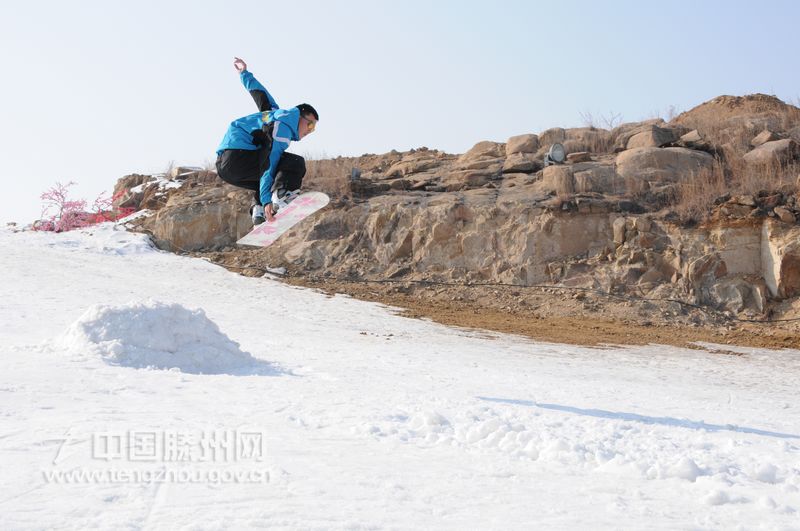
<point x="244" y="168"/>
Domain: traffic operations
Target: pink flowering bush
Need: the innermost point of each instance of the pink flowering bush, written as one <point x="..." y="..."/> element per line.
<point x="60" y="213"/>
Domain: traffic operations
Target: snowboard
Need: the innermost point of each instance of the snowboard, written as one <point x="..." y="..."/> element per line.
<point x="303" y="206"/>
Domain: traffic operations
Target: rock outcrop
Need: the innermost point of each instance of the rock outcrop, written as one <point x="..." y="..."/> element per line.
<point x="775" y="152"/>
<point x="606" y="219"/>
<point x="662" y="165"/>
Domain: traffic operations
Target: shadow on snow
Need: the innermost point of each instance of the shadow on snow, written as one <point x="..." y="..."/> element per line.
<point x="633" y="417"/>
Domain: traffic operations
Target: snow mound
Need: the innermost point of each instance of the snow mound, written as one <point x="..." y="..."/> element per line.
<point x="114" y="238"/>
<point x="107" y="238"/>
<point x="156" y="335"/>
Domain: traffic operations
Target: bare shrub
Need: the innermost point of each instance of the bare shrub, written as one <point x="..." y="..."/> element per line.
<point x="612" y="120"/>
<point x="169" y="168"/>
<point x="608" y="121"/>
<point x="587" y="118"/>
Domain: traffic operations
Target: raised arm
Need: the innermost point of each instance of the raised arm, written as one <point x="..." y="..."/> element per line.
<point x="261" y="96"/>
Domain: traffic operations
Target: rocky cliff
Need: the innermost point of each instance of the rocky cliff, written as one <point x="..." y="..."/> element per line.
<point x="701" y="210"/>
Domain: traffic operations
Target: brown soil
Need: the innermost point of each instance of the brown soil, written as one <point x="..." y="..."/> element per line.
<point x="577" y="319"/>
<point x="723" y="107"/>
<point x="545" y="313"/>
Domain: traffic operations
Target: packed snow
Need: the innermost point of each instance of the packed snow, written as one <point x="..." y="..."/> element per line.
<point x="141" y="389"/>
<point x="151" y="334"/>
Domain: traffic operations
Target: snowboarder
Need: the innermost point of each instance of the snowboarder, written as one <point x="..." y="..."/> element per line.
<point x="252" y="154"/>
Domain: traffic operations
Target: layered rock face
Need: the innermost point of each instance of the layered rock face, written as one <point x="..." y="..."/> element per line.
<point x="604" y="220"/>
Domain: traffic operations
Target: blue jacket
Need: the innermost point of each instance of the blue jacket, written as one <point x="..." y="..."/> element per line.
<point x="284" y="130"/>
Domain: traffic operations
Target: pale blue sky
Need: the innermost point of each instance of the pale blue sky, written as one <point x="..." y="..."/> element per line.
<point x="95" y="90"/>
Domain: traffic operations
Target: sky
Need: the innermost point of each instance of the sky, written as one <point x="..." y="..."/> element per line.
<point x="92" y="91"/>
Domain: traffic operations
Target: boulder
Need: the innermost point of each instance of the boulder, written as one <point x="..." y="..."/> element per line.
<point x="559" y="178"/>
<point x="200" y="225"/>
<point x="785" y="215"/>
<point x="128" y="199"/>
<point x="124" y="196"/>
<point x="403" y="168"/>
<point x="552" y="136"/>
<point x="580" y="156"/>
<point x="747" y="200"/>
<point x="485" y="149"/>
<point x="736" y="294"/>
<point x="600" y="178"/>
<point x="622" y="133"/>
<point x="129" y="181"/>
<point x="705" y="270"/>
<point x="763" y="137"/>
<point x="521" y="163"/>
<point x="775" y="152"/>
<point x="652" y="136"/>
<point x="673" y="164"/>
<point x="522" y="144"/>
<point x="651" y="276"/>
<point x="692" y="137"/>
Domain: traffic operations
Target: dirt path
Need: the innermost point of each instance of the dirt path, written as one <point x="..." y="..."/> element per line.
<point x="581" y="320"/>
<point x="556" y="314"/>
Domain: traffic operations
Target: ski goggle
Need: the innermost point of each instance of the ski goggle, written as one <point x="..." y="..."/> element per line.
<point x="311" y="124"/>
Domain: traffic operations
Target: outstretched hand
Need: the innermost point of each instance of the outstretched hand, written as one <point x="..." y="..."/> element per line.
<point x="239" y="65"/>
<point x="269" y="210"/>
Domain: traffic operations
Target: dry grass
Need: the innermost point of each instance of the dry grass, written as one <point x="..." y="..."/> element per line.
<point x="730" y="123"/>
<point x="724" y="122"/>
<point x="697" y="194"/>
<point x="331" y="176"/>
<point x="773" y="176"/>
<point x="591" y="139"/>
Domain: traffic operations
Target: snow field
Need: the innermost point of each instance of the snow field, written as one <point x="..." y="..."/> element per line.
<point x="371" y="421"/>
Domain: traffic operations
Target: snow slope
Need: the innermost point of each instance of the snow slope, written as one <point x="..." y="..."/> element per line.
<point x="140" y="389"/>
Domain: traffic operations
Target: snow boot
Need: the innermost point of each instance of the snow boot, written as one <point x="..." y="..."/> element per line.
<point x="257" y="213"/>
